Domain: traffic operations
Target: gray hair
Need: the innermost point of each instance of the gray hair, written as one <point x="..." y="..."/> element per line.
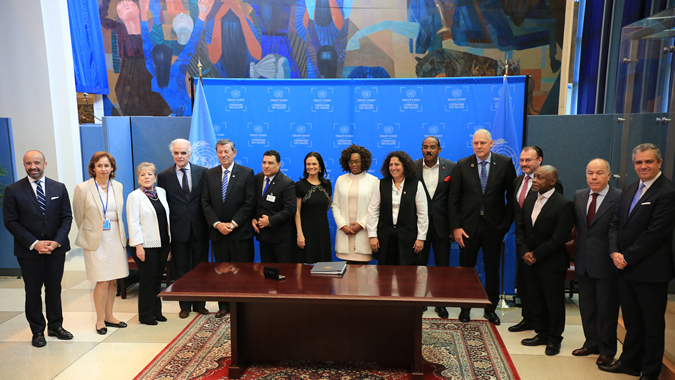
<point x="485" y="131"/>
<point x="645" y="147"/>
<point x="225" y="142"/>
<point x="146" y="165"/>
<point x="189" y="145"/>
<point x="603" y="160"/>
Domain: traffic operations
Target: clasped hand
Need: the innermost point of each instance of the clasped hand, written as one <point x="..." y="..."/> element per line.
<point x="45" y="247"/>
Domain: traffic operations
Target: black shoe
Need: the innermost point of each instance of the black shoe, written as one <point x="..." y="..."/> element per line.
<point x="150" y="323"/>
<point x="618" y="367"/>
<point x="119" y="324"/>
<point x="424" y="309"/>
<point x="649" y="377"/>
<point x="492" y="317"/>
<point x="465" y="315"/>
<point x="38" y="340"/>
<point x="101" y="331"/>
<point x="552" y="348"/>
<point x="60" y="333"/>
<point x="521" y="326"/>
<point x="442" y="312"/>
<point x="538" y="340"/>
<point x="160" y="318"/>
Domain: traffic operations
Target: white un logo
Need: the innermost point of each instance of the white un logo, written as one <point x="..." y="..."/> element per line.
<point x="278" y="94"/>
<point x="322" y="94"/>
<point x="411" y="93"/>
<point x="344" y="129"/>
<point x="388" y="129"/>
<point x="366" y="94"/>
<point x="258" y="128"/>
<point x="235" y="93"/>
<point x="301" y="129"/>
<point x="456" y="93"/>
<point x="433" y="129"/>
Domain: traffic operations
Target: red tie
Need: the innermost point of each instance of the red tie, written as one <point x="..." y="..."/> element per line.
<point x="523" y="193"/>
<point x="591" y="209"/>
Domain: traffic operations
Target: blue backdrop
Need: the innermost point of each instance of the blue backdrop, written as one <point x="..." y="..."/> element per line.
<point x="295" y="117"/>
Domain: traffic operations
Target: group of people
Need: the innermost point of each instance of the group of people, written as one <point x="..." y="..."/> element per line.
<point x="623" y="239"/>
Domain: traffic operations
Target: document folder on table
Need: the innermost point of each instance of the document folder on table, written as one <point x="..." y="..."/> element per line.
<point x="334" y="268"/>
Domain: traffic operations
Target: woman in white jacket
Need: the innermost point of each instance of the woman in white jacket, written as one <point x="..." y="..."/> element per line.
<point x="148" y="222"/>
<point x="350" y="205"/>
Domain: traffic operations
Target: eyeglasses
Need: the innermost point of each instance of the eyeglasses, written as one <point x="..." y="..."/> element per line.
<point x="354" y="162"/>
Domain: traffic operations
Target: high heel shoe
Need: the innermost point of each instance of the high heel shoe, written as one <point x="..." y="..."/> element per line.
<point x="101" y="331"/>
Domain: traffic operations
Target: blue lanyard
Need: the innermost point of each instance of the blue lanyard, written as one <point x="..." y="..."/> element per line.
<point x="105" y="207"/>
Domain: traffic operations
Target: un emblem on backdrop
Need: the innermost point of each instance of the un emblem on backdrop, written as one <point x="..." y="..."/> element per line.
<point x="388" y="129"/>
<point x="433" y="129"/>
<point x="366" y="94"/>
<point x="203" y="154"/>
<point x="322" y="94"/>
<point x="258" y="128"/>
<point x="411" y="93"/>
<point x="456" y="93"/>
<point x="301" y="129"/>
<point x="501" y="146"/>
<point x="235" y="93"/>
<point x="344" y="129"/>
<point x="278" y="94"/>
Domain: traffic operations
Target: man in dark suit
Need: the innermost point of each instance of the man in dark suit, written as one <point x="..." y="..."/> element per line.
<point x="189" y="240"/>
<point x="228" y="199"/>
<point x="435" y="176"/>
<point x="542" y="229"/>
<point x="37" y="213"/>
<point x="479" y="215"/>
<point x="531" y="158"/>
<point x="276" y="204"/>
<point x="596" y="275"/>
<point x="640" y="245"/>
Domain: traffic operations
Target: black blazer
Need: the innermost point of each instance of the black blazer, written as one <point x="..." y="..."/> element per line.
<point x="592" y="243"/>
<point x="546" y="239"/>
<point x="183" y="212"/>
<point x="438" y="206"/>
<point x="466" y="196"/>
<point x="644" y="236"/>
<point x="281" y="211"/>
<point x="239" y="201"/>
<point x="516" y="185"/>
<point x="24" y="220"/>
<point x="406" y="222"/>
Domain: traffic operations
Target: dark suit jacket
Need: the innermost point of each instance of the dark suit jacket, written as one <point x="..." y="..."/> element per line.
<point x="281" y="211"/>
<point x="184" y="213"/>
<point x="592" y="243"/>
<point x="24" y="219"/>
<point x="466" y="197"/>
<point x="239" y="203"/>
<point x="546" y="239"/>
<point x="516" y="185"/>
<point x="644" y="236"/>
<point x="438" y="206"/>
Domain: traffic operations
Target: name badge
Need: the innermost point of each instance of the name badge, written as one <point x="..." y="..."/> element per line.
<point x="271" y="198"/>
<point x="106" y="224"/>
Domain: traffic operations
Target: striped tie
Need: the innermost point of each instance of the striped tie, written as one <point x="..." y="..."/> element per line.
<point x="483" y="176"/>
<point x="40" y="196"/>
<point x="225" y="180"/>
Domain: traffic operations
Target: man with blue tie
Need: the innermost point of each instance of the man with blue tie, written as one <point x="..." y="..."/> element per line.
<point x="640" y="245"/>
<point x="37" y="213"/>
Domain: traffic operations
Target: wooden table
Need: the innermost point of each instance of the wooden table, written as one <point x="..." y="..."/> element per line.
<point x="372" y="313"/>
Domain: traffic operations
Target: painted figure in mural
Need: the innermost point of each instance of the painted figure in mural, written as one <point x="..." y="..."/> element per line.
<point x="450" y="63"/>
<point x="369" y="72"/>
<point x="271" y="66"/>
<point x="133" y="87"/>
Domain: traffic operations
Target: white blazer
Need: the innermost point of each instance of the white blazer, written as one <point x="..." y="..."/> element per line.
<point x="88" y="213"/>
<point x="340" y="207"/>
<point x="142" y="219"/>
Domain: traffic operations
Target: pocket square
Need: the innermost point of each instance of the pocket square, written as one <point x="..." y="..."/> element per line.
<point x="646" y="203"/>
<point x="55" y="198"/>
<point x="447" y="179"/>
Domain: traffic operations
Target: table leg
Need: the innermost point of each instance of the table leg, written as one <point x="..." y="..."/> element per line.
<point x="417" y="369"/>
<point x="237" y="364"/>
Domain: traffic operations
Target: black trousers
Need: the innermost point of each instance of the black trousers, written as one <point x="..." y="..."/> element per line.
<point x="546" y="292"/>
<point x="490" y="241"/>
<point x="599" y="307"/>
<point x="643" y="306"/>
<point x="522" y="290"/>
<point x="47" y="271"/>
<point x="184" y="257"/>
<point x="150" y="274"/>
<point x="232" y="251"/>
<point x="441" y="246"/>
<point x="281" y="252"/>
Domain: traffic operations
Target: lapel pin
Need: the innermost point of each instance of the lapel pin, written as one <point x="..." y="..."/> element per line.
<point x="404" y="192"/>
<point x="471" y="165"/>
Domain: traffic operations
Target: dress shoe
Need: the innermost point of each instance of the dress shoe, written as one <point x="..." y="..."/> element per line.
<point x="649" y="377"/>
<point x="552" y="348"/>
<point x="424" y="309"/>
<point x="60" y="333"/>
<point x="160" y="318"/>
<point x="492" y="317"/>
<point x="583" y="351"/>
<point x="149" y="323"/>
<point x="202" y="310"/>
<point x="521" y="326"/>
<point x="222" y="313"/>
<point x="465" y="315"/>
<point x="101" y="331"/>
<point x="604" y="360"/>
<point x="119" y="325"/>
<point x="38" y="340"/>
<point x="442" y="312"/>
<point x="538" y="340"/>
<point x="618" y="367"/>
<point x="184" y="314"/>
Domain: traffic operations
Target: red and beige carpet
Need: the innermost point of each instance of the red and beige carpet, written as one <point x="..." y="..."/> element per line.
<point x="451" y="350"/>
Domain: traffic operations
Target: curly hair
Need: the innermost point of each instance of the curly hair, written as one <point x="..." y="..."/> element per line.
<point x="346" y="155"/>
<point x="95" y="158"/>
<point x="406" y="161"/>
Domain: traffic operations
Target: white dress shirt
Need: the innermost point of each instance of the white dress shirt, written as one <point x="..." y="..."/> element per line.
<point x="539" y="204"/>
<point x="430" y="175"/>
<point x="529" y="185"/>
<point x="487" y="165"/>
<point x="33" y="184"/>
<point x="598" y="201"/>
<point x="648" y="184"/>
<point x="222" y="177"/>
<point x="420" y="203"/>
<point x="179" y="174"/>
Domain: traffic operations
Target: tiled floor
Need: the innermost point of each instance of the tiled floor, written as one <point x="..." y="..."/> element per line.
<point x="123" y="353"/>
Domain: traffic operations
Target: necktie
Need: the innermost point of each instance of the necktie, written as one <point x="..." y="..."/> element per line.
<point x="185" y="185"/>
<point x="40" y="196"/>
<point x="591" y="209"/>
<point x="537" y="208"/>
<point x="225" y="181"/>
<point x="267" y="183"/>
<point x="521" y="197"/>
<point x="636" y="198"/>
<point x="483" y="176"/>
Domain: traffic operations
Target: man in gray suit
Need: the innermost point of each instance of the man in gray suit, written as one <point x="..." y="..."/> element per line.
<point x="596" y="276"/>
<point x="434" y="172"/>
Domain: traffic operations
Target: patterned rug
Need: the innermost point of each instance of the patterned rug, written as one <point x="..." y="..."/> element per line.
<point x="451" y="350"/>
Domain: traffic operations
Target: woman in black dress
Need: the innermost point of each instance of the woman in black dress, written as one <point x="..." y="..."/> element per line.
<point x="311" y="218"/>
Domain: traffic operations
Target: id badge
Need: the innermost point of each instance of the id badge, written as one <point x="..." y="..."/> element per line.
<point x="106" y="224"/>
<point x="271" y="198"/>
